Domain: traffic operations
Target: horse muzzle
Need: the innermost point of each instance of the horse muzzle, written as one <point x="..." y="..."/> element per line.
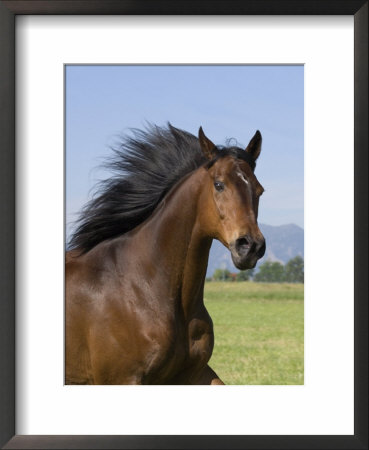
<point x="246" y="251"/>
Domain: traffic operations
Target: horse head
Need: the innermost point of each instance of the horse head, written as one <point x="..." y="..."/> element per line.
<point x="230" y="209"/>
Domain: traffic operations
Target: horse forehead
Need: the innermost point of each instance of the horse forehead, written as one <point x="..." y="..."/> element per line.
<point x="238" y="169"/>
<point x="226" y="165"/>
<point x="230" y="166"/>
<point x="246" y="169"/>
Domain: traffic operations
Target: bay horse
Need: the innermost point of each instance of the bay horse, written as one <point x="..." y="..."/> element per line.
<point x="135" y="272"/>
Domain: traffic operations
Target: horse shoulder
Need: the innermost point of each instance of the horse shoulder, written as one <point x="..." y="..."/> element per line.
<point x="119" y="319"/>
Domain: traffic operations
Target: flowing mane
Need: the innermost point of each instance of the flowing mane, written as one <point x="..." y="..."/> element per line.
<point x="144" y="168"/>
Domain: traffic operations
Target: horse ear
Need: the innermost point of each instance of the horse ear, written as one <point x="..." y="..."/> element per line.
<point x="254" y="147"/>
<point x="206" y="145"/>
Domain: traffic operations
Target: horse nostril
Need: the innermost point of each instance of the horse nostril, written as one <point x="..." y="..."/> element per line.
<point x="243" y="244"/>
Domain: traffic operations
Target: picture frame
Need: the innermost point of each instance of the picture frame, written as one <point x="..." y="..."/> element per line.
<point x="8" y="11"/>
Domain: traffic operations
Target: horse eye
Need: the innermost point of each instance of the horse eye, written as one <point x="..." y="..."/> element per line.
<point x="219" y="186"/>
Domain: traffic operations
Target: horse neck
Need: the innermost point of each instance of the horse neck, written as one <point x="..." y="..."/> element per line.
<point x="177" y="243"/>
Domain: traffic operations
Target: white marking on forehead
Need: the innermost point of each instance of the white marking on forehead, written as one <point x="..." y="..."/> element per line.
<point x="242" y="177"/>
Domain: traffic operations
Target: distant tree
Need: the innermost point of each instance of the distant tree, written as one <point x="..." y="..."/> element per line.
<point x="245" y="275"/>
<point x="270" y="272"/>
<point x="294" y="270"/>
<point x="221" y="275"/>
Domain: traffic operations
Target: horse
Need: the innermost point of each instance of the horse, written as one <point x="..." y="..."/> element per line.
<point x="136" y="267"/>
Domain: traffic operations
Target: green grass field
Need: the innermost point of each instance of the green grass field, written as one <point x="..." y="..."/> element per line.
<point x="259" y="332"/>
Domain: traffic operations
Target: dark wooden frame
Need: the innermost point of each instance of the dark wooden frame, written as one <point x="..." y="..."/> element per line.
<point x="8" y="11"/>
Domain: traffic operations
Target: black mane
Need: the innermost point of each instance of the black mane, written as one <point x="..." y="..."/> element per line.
<point x="144" y="168"/>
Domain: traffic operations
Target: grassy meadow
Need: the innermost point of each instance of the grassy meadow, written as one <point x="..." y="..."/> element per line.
<point x="259" y="332"/>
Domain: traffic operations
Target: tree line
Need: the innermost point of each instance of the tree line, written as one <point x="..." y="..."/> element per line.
<point x="269" y="272"/>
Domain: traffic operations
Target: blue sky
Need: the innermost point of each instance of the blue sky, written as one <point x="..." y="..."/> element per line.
<point x="103" y="102"/>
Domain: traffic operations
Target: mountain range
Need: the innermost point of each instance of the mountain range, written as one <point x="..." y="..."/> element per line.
<point x="283" y="242"/>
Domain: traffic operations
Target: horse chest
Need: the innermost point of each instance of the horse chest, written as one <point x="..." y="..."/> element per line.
<point x="187" y="350"/>
<point x="193" y="352"/>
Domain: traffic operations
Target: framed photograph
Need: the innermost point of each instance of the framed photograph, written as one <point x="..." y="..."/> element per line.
<point x="73" y="74"/>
